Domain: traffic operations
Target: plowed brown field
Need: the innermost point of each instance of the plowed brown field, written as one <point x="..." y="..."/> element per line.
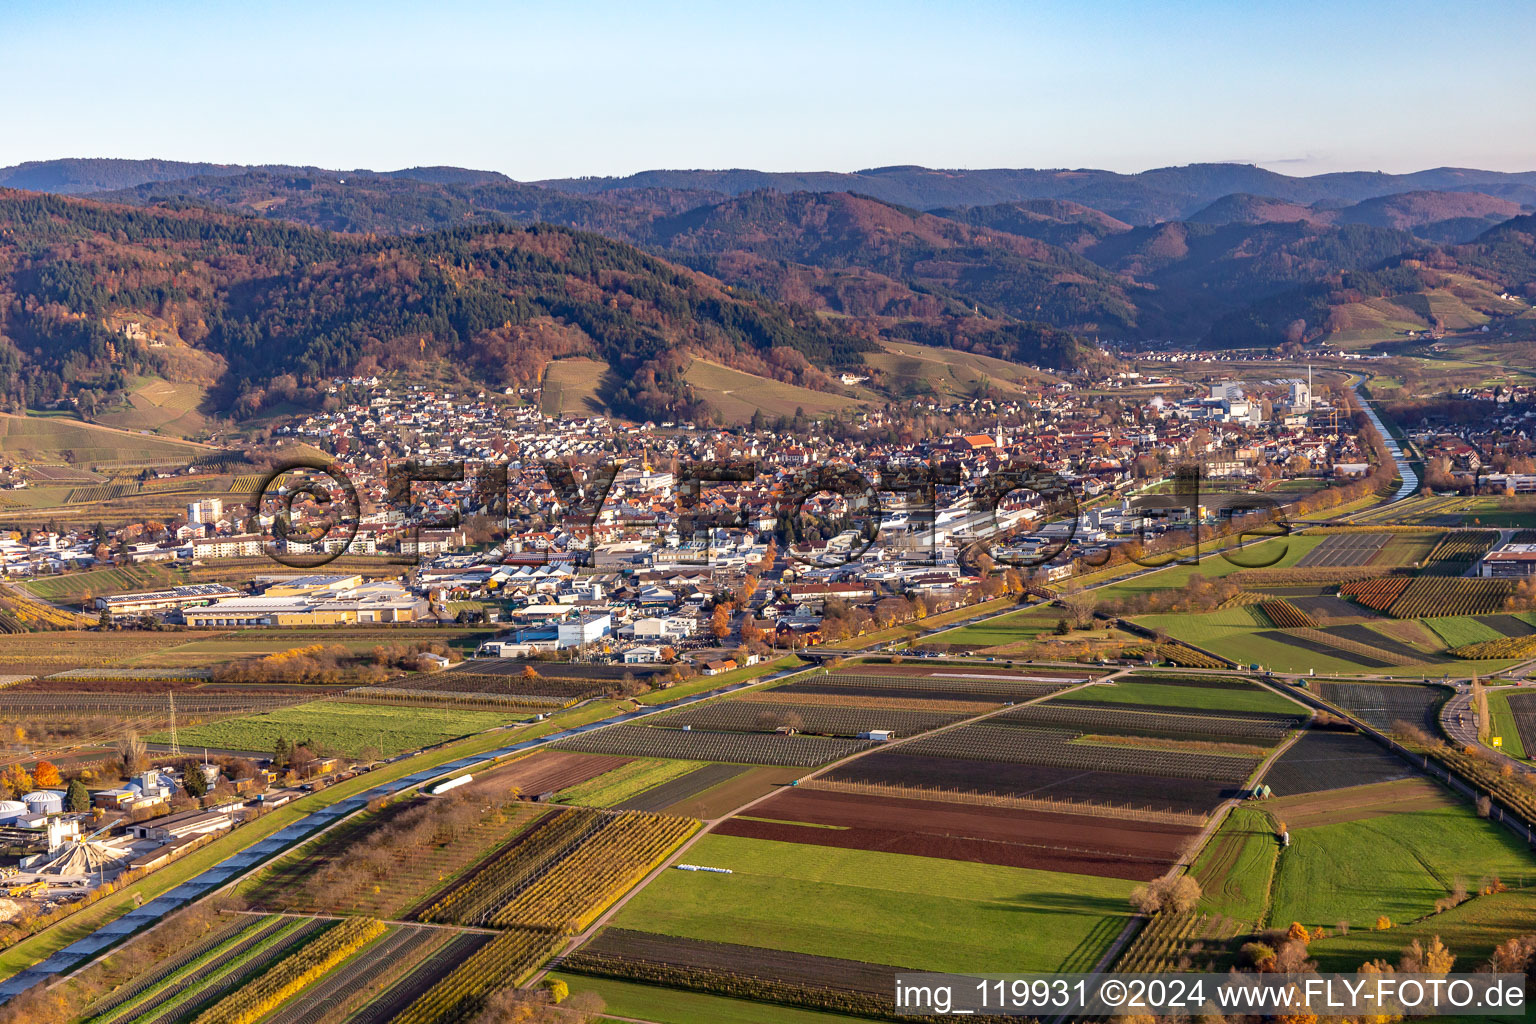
<point x="547" y="772"/>
<point x="1017" y="838"/>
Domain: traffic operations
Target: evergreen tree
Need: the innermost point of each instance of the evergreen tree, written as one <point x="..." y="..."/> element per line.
<point x="196" y="782"/>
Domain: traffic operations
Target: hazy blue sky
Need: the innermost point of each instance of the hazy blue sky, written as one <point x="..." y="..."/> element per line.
<point x="571" y="87"/>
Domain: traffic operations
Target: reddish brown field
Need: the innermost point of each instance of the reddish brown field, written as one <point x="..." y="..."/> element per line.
<point x="1019" y="673"/>
<point x="548" y="771"/>
<point x="837" y="700"/>
<point x="929" y="828"/>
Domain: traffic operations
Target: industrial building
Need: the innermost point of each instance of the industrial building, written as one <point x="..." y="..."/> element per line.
<point x="1507" y="561"/>
<point x="314" y="601"/>
<point x="585" y="629"/>
<point x="158" y="601"/>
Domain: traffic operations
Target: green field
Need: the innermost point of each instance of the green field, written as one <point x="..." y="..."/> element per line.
<point x="1237" y="867"/>
<point x="737" y="395"/>
<point x="1470" y="931"/>
<point x="1006" y="629"/>
<point x="1275" y="553"/>
<point x="343" y="728"/>
<point x="72" y="587"/>
<point x="1243" y="697"/>
<point x="1456" y="630"/>
<point x="625" y="781"/>
<point x="629" y="1000"/>
<point x="886" y="908"/>
<point x="1204" y="627"/>
<point x="1233" y="633"/>
<point x="1503" y="724"/>
<point x="1396" y="865"/>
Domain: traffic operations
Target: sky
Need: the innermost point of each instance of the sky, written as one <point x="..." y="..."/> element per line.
<point x="579" y="87"/>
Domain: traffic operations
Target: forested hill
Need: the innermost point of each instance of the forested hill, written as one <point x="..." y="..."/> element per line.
<point x="815" y="237"/>
<point x="1164" y="193"/>
<point x="847" y="254"/>
<point x="414" y="201"/>
<point x="1493" y="276"/>
<point x="272" y="306"/>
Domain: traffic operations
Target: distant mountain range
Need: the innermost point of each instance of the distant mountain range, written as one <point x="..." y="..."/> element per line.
<point x="996" y="261"/>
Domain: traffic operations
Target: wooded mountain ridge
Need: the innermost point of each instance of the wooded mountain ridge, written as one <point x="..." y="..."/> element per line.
<point x="1217" y="255"/>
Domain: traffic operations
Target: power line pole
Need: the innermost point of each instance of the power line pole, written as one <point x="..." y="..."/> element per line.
<point x="175" y="743"/>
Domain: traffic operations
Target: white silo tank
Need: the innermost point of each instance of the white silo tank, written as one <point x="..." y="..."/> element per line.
<point x="10" y="810"/>
<point x="44" y="801"/>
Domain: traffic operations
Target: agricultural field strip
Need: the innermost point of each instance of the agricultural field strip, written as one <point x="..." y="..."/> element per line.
<point x="734" y="747"/>
<point x="1052" y="748"/>
<point x="580" y="885"/>
<point x="270" y="988"/>
<point x="455" y="698"/>
<point x="421" y="977"/>
<point x="709" y="826"/>
<point x="1522" y="708"/>
<point x="165" y="969"/>
<point x="257" y="855"/>
<point x="318" y="999"/>
<point x="207" y="989"/>
<point x="1463" y="546"/>
<point x="1440" y="595"/>
<point x="505" y="960"/>
<point x="1380" y="705"/>
<point x="625" y="780"/>
<point x="1320" y="761"/>
<point x="188" y="975"/>
<point x="1375" y="648"/>
<point x="1217" y="818"/>
<point x="96" y="703"/>
<point x="530" y="690"/>
<point x="1345" y="549"/>
<point x="1305" y="643"/>
<point x="623" y="944"/>
<point x="1002" y="687"/>
<point x="847" y="721"/>
<point x="1148" y="723"/>
<point x="659" y="798"/>
<point x="1504" y="647"/>
<point x="1378" y="636"/>
<point x="507" y="874"/>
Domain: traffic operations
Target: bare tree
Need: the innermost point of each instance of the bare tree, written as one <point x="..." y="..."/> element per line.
<point x="131" y="748"/>
<point x="1079" y="605"/>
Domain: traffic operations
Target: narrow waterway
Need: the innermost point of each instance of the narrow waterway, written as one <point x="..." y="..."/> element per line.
<point x="1410" y="478"/>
